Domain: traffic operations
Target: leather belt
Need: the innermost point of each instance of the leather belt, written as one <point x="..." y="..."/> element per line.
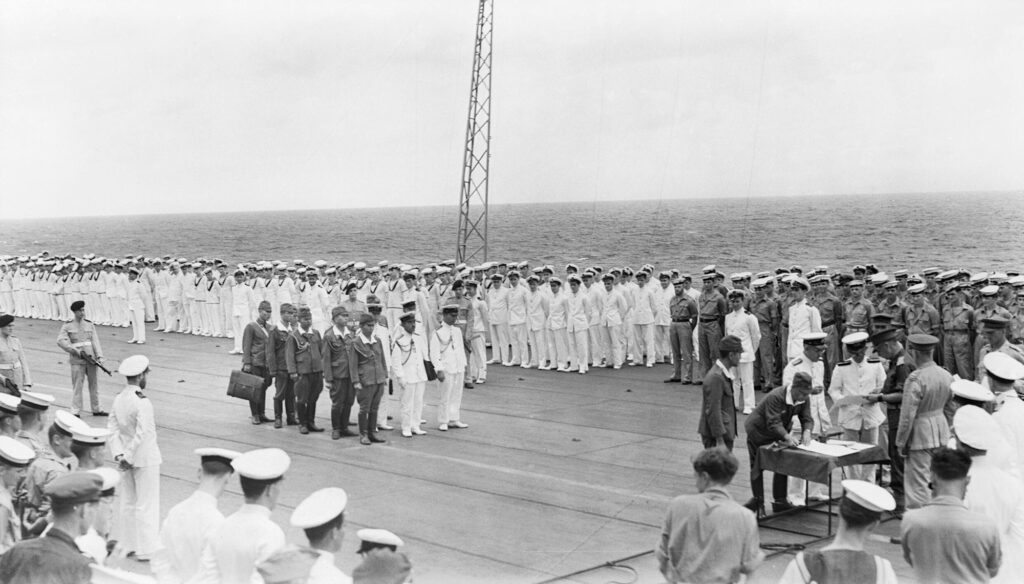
<point x="965" y="331"/>
<point x="82" y="344"/>
<point x="680" y="320"/>
<point x="708" y="318"/>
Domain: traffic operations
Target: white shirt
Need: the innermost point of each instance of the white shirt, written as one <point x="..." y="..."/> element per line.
<point x="133" y="428"/>
<point x="537" y="310"/>
<point x="644" y="305"/>
<point x="852" y="378"/>
<point x="246" y="538"/>
<point x="325" y="572"/>
<point x="992" y="493"/>
<point x="557" y="310"/>
<point x="816" y="369"/>
<point x="743" y="325"/>
<point x="614" y="308"/>
<point x="577" y="308"/>
<point x="497" y="305"/>
<point x="182" y="537"/>
<point x="803" y="318"/>
<point x="407" y="354"/>
<point x="447" y="351"/>
<point x="517" y="305"/>
<point x="243" y="300"/>
<point x="1010" y="417"/>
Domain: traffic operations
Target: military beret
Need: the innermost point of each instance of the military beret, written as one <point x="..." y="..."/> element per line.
<point x="5" y="320"/>
<point x="77" y="305"/>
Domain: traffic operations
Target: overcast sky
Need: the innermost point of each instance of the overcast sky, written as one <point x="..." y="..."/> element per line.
<point x="209" y="105"/>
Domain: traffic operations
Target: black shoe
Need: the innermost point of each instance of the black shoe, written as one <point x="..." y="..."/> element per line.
<point x="686" y="382"/>
<point x="277" y="422"/>
<point x="292" y="421"/>
<point x="467" y="385"/>
<point x="303" y="430"/>
<point x="364" y="440"/>
<point x="100" y="413"/>
<point x="265" y="419"/>
<point x="256" y="421"/>
<point x="672" y="380"/>
<point x="347" y="434"/>
<point x="315" y="428"/>
<point x="780" y="506"/>
<point x="375" y="440"/>
<point x="698" y="383"/>
<point x="335" y="434"/>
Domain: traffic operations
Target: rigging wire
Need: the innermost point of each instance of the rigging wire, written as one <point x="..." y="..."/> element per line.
<point x="757" y="129"/>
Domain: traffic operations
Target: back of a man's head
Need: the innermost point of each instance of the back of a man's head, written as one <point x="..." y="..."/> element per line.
<point x="950" y="465"/>
<point x="719" y="464"/>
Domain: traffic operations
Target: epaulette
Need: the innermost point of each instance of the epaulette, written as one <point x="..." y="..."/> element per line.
<point x="87" y="320"/>
<point x="796" y="361"/>
<point x="843" y="363"/>
<point x="874" y="360"/>
<point x="139" y="393"/>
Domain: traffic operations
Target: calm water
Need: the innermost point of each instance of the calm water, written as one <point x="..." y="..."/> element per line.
<point x="913" y="231"/>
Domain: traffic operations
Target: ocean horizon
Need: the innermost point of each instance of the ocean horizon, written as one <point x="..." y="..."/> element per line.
<point x="962" y="230"/>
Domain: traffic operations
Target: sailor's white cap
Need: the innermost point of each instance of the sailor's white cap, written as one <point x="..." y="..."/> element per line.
<point x="915" y="289"/>
<point x="134" y="365"/>
<point x="111" y="478"/>
<point x="379" y="536"/>
<point x="990" y="290"/>
<point x="14" y="453"/>
<point x="359" y="265"/>
<point x="968" y="389"/>
<point x="976" y="428"/>
<point x="813" y="338"/>
<point x="319" y="508"/>
<point x="90" y="436"/>
<point x="855" y="338"/>
<point x="997" y="364"/>
<point x="68" y="422"/>
<point x="222" y="455"/>
<point x="264" y="464"/>
<point x="320" y="263"/>
<point x="35" y="400"/>
<point x="871" y="497"/>
<point x="9" y="404"/>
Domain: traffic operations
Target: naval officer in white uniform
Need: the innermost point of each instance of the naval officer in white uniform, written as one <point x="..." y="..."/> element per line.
<point x="321" y="516"/>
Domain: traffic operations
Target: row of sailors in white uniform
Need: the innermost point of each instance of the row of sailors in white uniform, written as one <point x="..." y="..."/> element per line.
<point x="45" y="294"/>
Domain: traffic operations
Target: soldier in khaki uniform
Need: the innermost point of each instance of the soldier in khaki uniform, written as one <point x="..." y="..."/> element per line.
<point x="79" y="338"/>
<point x="858" y="309"/>
<point x="921" y="316"/>
<point x="957" y="329"/>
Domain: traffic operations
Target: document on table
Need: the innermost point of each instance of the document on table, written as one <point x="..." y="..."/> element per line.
<point x="850" y="400"/>
<point x="835" y="448"/>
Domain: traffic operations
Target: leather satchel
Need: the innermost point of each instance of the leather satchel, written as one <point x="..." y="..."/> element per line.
<point x="429" y="367"/>
<point x="244" y="385"/>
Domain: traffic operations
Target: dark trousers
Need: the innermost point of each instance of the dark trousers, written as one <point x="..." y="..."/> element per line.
<point x="307" y="390"/>
<point x="764" y="365"/>
<point x="284" y="396"/>
<point x="369" y="401"/>
<point x="711" y="442"/>
<point x="342" y="397"/>
<point x="779" y="481"/>
<point x="896" y="461"/>
<point x="681" y="336"/>
<point x="259" y="398"/>
<point x="709" y="334"/>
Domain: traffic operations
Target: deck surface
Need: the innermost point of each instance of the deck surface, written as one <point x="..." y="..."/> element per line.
<point x="557" y="474"/>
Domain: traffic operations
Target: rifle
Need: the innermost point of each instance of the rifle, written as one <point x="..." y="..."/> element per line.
<point x="8" y="386"/>
<point x="92" y="361"/>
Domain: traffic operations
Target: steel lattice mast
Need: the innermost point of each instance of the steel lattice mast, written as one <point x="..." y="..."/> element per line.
<point x="476" y="160"/>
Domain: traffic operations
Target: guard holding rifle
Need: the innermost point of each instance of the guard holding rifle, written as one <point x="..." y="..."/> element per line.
<point x="80" y="340"/>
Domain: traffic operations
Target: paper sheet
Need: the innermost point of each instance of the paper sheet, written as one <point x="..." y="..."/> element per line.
<point x="835" y="448"/>
<point x="850" y="400"/>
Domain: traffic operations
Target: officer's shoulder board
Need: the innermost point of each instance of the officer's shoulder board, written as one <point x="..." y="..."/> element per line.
<point x="139" y="393"/>
<point x="797" y="361"/>
<point x="843" y="363"/>
<point x="874" y="360"/>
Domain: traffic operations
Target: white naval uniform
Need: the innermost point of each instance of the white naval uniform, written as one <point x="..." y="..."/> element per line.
<point x="518" y="335"/>
<point x="995" y="493"/>
<point x="803" y="319"/>
<point x="447" y="354"/>
<point x="819" y="413"/>
<point x="162" y="285"/>
<point x="743" y="325"/>
<point x="537" y="333"/>
<point x="133" y="435"/>
<point x="175" y="299"/>
<point x="613" y="314"/>
<point x="226" y="308"/>
<point x="325" y="572"/>
<point x="860" y="423"/>
<point x="662" y="322"/>
<point x="136" y="299"/>
<point x="245" y="539"/>
<point x="577" y="328"/>
<point x="184" y="533"/>
<point x="1009" y="415"/>
<point x="214" y="314"/>
<point x="497" y="316"/>
<point x="644" y="308"/>
<point x="408" y="351"/>
<point x="558" y="337"/>
<point x="242" y="303"/>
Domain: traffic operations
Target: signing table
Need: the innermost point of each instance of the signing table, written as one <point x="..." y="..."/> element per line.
<point x="815" y="463"/>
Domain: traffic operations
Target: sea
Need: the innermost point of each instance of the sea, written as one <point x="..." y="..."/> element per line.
<point x="974" y="231"/>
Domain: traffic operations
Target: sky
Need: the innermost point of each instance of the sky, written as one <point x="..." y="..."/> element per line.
<point x="126" y="107"/>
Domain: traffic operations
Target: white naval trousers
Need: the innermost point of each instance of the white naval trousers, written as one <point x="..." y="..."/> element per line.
<point x="596" y="344"/>
<point x="560" y="339"/>
<point x="579" y="348"/>
<point x="743" y="385"/>
<point x="238" y="327"/>
<point x="225" y="319"/>
<point x="161" y="312"/>
<point x="120" y="306"/>
<point x="195" y="316"/>
<point x="213" y="317"/>
<point x="477" y="359"/>
<point x="538" y="340"/>
<point x="612" y="336"/>
<point x="520" y="344"/>
<point x="662" y="346"/>
<point x="449" y="407"/>
<point x="185" y="316"/>
<point x="140" y="510"/>
<point x="500" y="342"/>
<point x="644" y="338"/>
<point x="169" y="321"/>
<point x="137" y="317"/>
<point x="412" y="405"/>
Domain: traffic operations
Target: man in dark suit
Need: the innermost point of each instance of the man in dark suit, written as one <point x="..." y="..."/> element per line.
<point x="255" y="338"/>
<point x="369" y="377"/>
<point x="717" y="426"/>
<point x="337" y="373"/>
<point x="277" y="364"/>
<point x="306" y="368"/>
<point x="771" y="422"/>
